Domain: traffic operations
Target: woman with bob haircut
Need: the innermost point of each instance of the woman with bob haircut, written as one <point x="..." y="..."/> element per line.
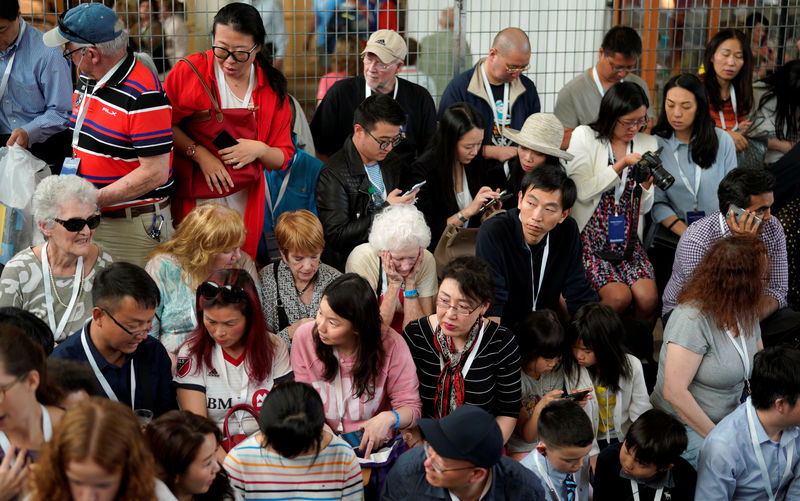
<point x="454" y="171"/>
<point x="97" y="452"/>
<point x="461" y="356"/>
<point x="361" y="368"/>
<point x="26" y="405"/>
<point x="606" y="210"/>
<point x="711" y="338"/>
<point x="208" y="239"/>
<point x="231" y="357"/>
<point x="54" y="280"/>
<point x="184" y="447"/>
<point x="292" y="287"/>
<point x="728" y="65"/>
<point x="397" y="265"/>
<point x="293" y="446"/>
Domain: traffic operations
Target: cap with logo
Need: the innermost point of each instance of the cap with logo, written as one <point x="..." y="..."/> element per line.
<point x="387" y="45"/>
<point x="88" y="23"/>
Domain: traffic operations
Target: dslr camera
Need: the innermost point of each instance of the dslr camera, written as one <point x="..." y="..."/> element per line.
<point x="650" y="164"/>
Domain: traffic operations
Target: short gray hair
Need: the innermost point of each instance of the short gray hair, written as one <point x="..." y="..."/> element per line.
<point x="111" y="47"/>
<point x="398" y="226"/>
<point x="54" y="191"/>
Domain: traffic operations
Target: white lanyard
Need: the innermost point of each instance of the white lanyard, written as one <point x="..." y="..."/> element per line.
<point x="760" y="455"/>
<point x="635" y="491"/>
<point x="742" y="351"/>
<point x="620" y="187"/>
<point x="472" y="354"/>
<point x="596" y="79"/>
<point x="48" y="294"/>
<point x="499" y="122"/>
<point x="368" y="91"/>
<point x="694" y="190"/>
<point x="224" y="89"/>
<point x="544" y="475"/>
<point x="733" y="104"/>
<point x="99" y="375"/>
<point x="47" y="433"/>
<point x="545" y="254"/>
<point x="281" y="191"/>
<point x="337" y="385"/>
<point x="7" y="73"/>
<point x="83" y="109"/>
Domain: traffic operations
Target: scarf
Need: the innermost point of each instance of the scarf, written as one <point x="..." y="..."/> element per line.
<point x="450" y="383"/>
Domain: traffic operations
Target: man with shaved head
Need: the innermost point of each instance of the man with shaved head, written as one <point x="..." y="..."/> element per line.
<point x="498" y="89"/>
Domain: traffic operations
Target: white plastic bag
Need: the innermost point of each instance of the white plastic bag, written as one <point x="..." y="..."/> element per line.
<point x="18" y="180"/>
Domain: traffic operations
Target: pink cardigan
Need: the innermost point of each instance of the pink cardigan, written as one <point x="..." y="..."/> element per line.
<point x="395" y="386"/>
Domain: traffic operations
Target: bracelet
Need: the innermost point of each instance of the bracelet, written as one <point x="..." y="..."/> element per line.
<point x="673" y="223"/>
<point x="462" y="217"/>
<point x="413" y="293"/>
<point x="396" y="419"/>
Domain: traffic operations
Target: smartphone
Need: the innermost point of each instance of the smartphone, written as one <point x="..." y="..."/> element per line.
<point x="578" y="395"/>
<point x="224" y="140"/>
<point x="738" y="213"/>
<point x="353" y="438"/>
<point x="415" y="187"/>
<point x="503" y="196"/>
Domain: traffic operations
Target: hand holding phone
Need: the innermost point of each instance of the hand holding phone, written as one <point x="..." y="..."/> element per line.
<point x="578" y="395"/>
<point x="415" y="188"/>
<point x="742" y="221"/>
<point x="491" y="203"/>
<point x="224" y="140"/>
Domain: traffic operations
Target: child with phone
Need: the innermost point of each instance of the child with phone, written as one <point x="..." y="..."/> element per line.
<point x="595" y="335"/>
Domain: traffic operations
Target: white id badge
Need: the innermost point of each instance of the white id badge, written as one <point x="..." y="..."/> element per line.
<point x="70" y="166"/>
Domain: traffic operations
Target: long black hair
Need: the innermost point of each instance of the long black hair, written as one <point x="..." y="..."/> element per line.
<point x="622" y="98"/>
<point x="742" y="82"/>
<point x="245" y="19"/>
<point x="351" y="297"/>
<point x="704" y="143"/>
<point x="457" y="120"/>
<point x="784" y="86"/>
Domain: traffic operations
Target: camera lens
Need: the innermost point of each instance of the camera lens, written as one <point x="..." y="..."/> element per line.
<point x="661" y="177"/>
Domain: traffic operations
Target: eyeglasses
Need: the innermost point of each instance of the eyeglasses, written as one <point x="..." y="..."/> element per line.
<point x="76" y="224"/>
<point x="239" y="56"/>
<point x="516" y="69"/>
<point x="128" y="331"/>
<point x="633" y="124"/>
<point x="67" y="53"/>
<point x="390" y="142"/>
<point x="229" y="293"/>
<point x="373" y="60"/>
<point x="4" y="389"/>
<point x="620" y="69"/>
<point x="438" y="469"/>
<point x="463" y="311"/>
<point x="63" y="28"/>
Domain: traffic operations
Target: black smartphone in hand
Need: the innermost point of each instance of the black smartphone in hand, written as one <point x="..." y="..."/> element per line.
<point x="224" y="140"/>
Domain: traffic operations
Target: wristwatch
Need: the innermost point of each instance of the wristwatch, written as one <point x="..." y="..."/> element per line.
<point x="191" y="150"/>
<point x="462" y="217"/>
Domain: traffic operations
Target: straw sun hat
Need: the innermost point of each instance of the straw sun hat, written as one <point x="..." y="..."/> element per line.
<point x="541" y="132"/>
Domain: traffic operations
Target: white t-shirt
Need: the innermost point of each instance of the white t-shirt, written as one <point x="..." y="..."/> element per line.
<point x="226" y="383"/>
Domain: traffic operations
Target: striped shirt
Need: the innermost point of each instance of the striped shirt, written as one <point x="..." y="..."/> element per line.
<point x="258" y="473"/>
<point x="493" y="380"/>
<point x="127" y="118"/>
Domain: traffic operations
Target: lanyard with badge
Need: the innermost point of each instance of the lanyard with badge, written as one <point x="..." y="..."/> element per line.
<point x="616" y="222"/>
<point x="500" y="116"/>
<point x="635" y="491"/>
<point x="691" y="216"/>
<point x="733" y="105"/>
<point x="99" y="375"/>
<point x="762" y="465"/>
<point x="545" y="255"/>
<point x="544" y="475"/>
<point x="741" y="349"/>
<point x="7" y="72"/>
<point x="47" y="280"/>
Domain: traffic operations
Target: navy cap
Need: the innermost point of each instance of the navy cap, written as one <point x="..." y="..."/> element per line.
<point x="90" y="23"/>
<point x="469" y="433"/>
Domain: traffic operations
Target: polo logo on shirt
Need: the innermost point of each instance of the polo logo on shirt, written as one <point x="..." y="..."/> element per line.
<point x="213" y="373"/>
<point x="113" y="113"/>
<point x="184" y="366"/>
<point x="258" y="398"/>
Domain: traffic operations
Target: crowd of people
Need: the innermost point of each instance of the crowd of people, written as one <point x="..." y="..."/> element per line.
<point x="452" y="304"/>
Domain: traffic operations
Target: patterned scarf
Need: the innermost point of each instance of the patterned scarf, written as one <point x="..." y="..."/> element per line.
<point x="450" y="383"/>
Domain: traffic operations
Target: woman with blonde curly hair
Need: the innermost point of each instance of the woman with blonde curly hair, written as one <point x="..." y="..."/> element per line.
<point x="208" y="239"/>
<point x="97" y="452"/>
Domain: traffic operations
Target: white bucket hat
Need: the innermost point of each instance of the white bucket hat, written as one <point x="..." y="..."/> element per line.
<point x="541" y="132"/>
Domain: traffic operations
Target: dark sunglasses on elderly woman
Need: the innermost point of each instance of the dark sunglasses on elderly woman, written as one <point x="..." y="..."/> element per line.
<point x="229" y="293"/>
<point x="76" y="224"/>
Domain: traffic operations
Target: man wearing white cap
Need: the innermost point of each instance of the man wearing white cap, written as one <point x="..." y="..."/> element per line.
<point x="383" y="57"/>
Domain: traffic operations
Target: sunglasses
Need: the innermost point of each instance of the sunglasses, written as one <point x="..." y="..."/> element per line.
<point x="63" y="28"/>
<point x="76" y="224"/>
<point x="229" y="293"/>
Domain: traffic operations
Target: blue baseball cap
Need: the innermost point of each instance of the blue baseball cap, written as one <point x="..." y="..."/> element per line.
<point x="88" y="23"/>
<point x="469" y="433"/>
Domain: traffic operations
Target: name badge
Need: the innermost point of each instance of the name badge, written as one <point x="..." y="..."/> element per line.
<point x="616" y="229"/>
<point x="70" y="166"/>
<point x="693" y="216"/>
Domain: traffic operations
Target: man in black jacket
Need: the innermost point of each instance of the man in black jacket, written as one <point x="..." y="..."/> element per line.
<point x="361" y="178"/>
<point x="535" y="251"/>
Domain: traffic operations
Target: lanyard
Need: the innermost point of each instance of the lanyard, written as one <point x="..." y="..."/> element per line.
<point x="499" y="122"/>
<point x="472" y="354"/>
<point x="376" y="185"/>
<point x="224" y="89"/>
<point x="742" y="351"/>
<point x="545" y="254"/>
<point x="47" y="433"/>
<point x="692" y="189"/>
<point x="7" y="73"/>
<point x="596" y="79"/>
<point x="337" y="385"/>
<point x="99" y="375"/>
<point x="545" y="476"/>
<point x="48" y="294"/>
<point x="733" y="103"/>
<point x="368" y="91"/>
<point x="83" y="109"/>
<point x="281" y="191"/>
<point x="620" y="187"/>
<point x="760" y="455"/>
<point x="635" y="491"/>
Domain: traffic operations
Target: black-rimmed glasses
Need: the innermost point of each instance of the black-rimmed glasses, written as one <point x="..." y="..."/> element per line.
<point x="389" y="142"/>
<point x="64" y="29"/>
<point x="128" y="331"/>
<point x="76" y="224"/>
<point x="229" y="293"/>
<point x="67" y="53"/>
<point x="239" y="56"/>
